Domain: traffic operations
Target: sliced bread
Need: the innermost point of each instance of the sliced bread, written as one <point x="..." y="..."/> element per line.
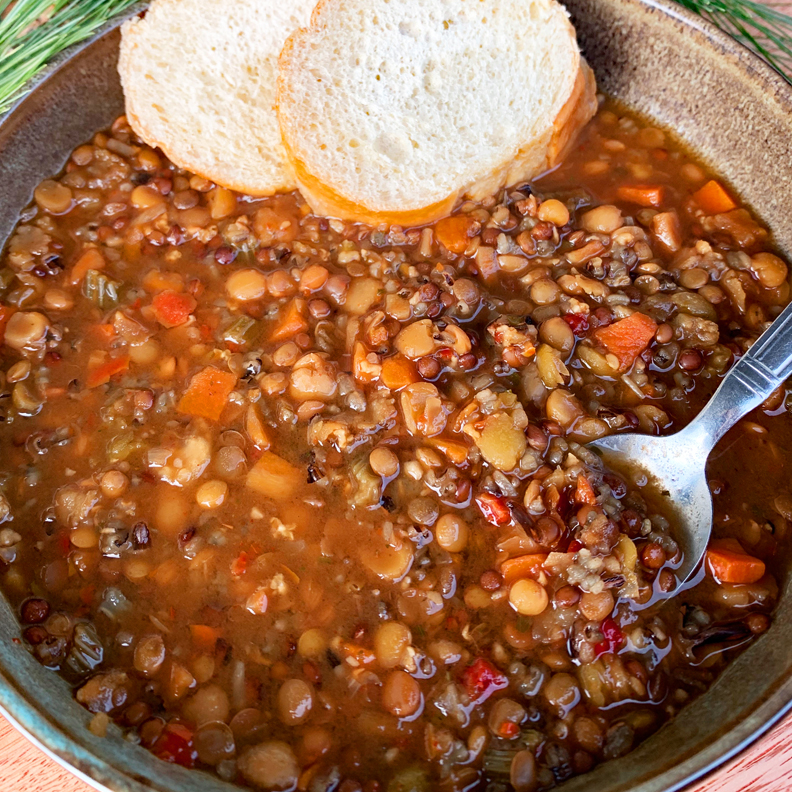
<point x="392" y="111"/>
<point x="199" y="78"/>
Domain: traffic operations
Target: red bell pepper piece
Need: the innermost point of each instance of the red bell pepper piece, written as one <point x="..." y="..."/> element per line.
<point x="578" y="323"/>
<point x="175" y="745"/>
<point x="612" y="637"/>
<point x="495" y="509"/>
<point x="239" y="565"/>
<point x="482" y="679"/>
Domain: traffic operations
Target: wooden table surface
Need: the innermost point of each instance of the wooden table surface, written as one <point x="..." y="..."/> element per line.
<point x="765" y="767"/>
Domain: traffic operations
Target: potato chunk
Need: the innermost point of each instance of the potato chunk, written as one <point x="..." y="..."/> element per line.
<point x="274" y="477"/>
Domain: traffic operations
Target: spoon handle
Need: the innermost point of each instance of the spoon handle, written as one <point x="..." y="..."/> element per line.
<point x="749" y="382"/>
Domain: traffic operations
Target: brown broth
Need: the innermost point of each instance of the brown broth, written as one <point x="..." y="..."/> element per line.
<point x="232" y="576"/>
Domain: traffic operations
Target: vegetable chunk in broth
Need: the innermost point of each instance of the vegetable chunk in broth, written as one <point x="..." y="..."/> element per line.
<point x="307" y="504"/>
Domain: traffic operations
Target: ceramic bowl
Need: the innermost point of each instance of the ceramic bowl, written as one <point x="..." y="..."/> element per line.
<point x="731" y="109"/>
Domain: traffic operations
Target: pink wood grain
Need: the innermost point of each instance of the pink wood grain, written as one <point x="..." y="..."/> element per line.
<point x="765" y="767"/>
<point x="24" y="768"/>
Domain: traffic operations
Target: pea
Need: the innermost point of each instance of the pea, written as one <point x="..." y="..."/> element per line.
<point x="562" y="693"/>
<point x="26" y="330"/>
<point x="390" y="641"/>
<point x="451" y="533"/>
<point x="246" y="284"/>
<point x="401" y="694"/>
<point x="384" y="462"/>
<point x="295" y="701"/>
<point x="528" y="597"/>
<point x="149" y="655"/>
<point x="596" y="606"/>
<point x="553" y="211"/>
<point x="270" y="765"/>
<point x="209" y="704"/>
<point x="211" y="494"/>
<point x="557" y="332"/>
<point x="53" y="197"/>
<point x="312" y="643"/>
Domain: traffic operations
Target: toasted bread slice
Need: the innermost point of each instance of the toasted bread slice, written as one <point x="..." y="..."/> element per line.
<point x="199" y="79"/>
<point x="392" y="111"/>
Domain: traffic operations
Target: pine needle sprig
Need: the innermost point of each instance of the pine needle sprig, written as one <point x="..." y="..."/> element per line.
<point x="32" y="32"/>
<point x="760" y="26"/>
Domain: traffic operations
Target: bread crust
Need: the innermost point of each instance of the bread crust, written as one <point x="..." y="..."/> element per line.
<point x="541" y="154"/>
<point x="579" y="109"/>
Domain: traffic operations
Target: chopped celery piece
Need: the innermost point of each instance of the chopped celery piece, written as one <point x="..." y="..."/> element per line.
<point x="100" y="289"/>
<point x="122" y="446"/>
<point x="497" y="762"/>
<point x="244" y="331"/>
<point x="6" y="279"/>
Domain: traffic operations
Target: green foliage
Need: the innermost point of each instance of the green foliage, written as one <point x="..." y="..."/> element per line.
<point x="760" y="26"/>
<point x="32" y="32"/>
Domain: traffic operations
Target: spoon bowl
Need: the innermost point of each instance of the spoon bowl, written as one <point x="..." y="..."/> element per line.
<point x="675" y="466"/>
<point x="675" y="472"/>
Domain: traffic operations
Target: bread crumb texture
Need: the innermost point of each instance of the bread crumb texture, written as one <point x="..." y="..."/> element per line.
<point x="396" y="106"/>
<point x="199" y="78"/>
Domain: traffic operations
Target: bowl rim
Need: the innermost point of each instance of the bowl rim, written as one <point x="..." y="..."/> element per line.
<point x="28" y="719"/>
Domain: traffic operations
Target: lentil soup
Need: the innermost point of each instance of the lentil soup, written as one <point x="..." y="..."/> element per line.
<point x="307" y="503"/>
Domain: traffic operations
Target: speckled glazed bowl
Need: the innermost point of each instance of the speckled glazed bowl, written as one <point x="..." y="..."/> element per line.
<point x="732" y="110"/>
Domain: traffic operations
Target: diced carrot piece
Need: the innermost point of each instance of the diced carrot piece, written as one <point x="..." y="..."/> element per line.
<point x="456" y="452"/>
<point x="156" y="281"/>
<point x="205" y="637"/>
<point x="729" y="566"/>
<point x="5" y="315"/>
<point x="713" y="199"/>
<point x="362" y="370"/>
<point x="91" y="259"/>
<point x="291" y="322"/>
<point x="207" y="393"/>
<point x="172" y="308"/>
<point x="359" y="653"/>
<point x="641" y="195"/>
<point x="522" y="566"/>
<point x="100" y="372"/>
<point x="274" y="477"/>
<point x="104" y="333"/>
<point x="627" y="338"/>
<point x="454" y="233"/>
<point x="585" y="492"/>
<point x="398" y="372"/>
<point x="239" y="565"/>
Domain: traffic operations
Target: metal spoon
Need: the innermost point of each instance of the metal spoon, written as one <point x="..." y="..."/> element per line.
<point x="675" y="465"/>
